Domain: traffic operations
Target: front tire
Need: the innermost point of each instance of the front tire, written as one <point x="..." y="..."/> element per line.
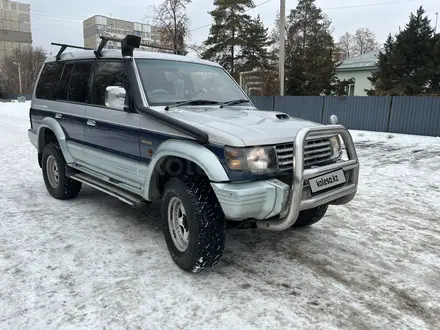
<point x="193" y="223"/>
<point x="57" y="183"/>
<point x="310" y="216"/>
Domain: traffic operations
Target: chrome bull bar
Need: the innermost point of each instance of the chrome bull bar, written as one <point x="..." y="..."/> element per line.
<point x="336" y="196"/>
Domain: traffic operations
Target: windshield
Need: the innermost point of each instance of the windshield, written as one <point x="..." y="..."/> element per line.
<point x="168" y="82"/>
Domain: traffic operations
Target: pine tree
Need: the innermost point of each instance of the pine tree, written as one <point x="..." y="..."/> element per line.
<point x="227" y="33"/>
<point x="385" y="80"/>
<point x="275" y="35"/>
<point x="255" y="51"/>
<point x="310" y="68"/>
<point x="434" y="68"/>
<point x="408" y="63"/>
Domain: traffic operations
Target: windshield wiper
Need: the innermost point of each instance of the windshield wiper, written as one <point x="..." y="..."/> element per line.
<point x="193" y="102"/>
<point x="234" y="102"/>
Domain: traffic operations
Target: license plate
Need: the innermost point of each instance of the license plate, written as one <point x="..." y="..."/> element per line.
<point x="327" y="181"/>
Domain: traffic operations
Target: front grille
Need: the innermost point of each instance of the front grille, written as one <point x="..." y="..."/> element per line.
<point x="316" y="152"/>
<point x="284" y="156"/>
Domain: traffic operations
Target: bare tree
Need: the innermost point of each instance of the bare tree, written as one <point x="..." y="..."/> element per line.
<point x="172" y="21"/>
<point x="30" y="60"/>
<point x="196" y="49"/>
<point x="347" y="45"/>
<point x="365" y="40"/>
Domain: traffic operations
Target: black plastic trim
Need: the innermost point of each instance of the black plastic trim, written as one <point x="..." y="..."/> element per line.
<point x="64" y="47"/>
<point x="196" y="133"/>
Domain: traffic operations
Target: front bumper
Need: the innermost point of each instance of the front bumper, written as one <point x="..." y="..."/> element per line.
<point x="252" y="200"/>
<point x="277" y="204"/>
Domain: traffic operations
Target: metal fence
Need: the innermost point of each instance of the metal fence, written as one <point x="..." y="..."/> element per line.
<point x="398" y="114"/>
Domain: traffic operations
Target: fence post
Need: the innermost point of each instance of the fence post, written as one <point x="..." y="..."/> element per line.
<point x="322" y="109"/>
<point x="389" y="113"/>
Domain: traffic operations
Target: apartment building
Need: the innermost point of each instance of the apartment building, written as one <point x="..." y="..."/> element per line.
<point x="97" y="26"/>
<point x="15" y="27"/>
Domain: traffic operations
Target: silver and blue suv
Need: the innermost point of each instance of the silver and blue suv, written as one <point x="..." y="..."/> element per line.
<point x="148" y="126"/>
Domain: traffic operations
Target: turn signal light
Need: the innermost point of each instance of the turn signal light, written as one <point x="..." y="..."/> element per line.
<point x="234" y="164"/>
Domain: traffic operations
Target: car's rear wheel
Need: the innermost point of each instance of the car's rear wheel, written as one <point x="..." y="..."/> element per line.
<point x="57" y="183"/>
<point x="193" y="223"/>
<point x="310" y="216"/>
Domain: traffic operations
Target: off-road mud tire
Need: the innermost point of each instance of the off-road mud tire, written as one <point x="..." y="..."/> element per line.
<point x="67" y="188"/>
<point x="205" y="220"/>
<point x="310" y="216"/>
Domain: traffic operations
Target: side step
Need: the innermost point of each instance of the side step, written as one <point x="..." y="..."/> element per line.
<point x="121" y="194"/>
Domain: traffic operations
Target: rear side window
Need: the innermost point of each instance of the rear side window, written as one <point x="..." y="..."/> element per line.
<point x="79" y="82"/>
<point x="48" y="83"/>
<point x="64" y="83"/>
<point x="108" y="73"/>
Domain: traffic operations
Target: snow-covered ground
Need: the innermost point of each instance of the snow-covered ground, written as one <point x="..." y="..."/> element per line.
<point x="95" y="263"/>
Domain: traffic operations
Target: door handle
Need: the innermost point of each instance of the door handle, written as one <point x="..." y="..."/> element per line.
<point x="91" y="122"/>
<point x="58" y="116"/>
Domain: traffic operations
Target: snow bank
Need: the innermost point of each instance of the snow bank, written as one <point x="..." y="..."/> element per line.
<point x="94" y="262"/>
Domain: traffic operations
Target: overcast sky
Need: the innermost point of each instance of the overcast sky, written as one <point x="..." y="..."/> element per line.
<point x="61" y="21"/>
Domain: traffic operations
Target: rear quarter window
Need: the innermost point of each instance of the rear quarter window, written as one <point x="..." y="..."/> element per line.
<point x="64" y="82"/>
<point x="79" y="81"/>
<point x="47" y="86"/>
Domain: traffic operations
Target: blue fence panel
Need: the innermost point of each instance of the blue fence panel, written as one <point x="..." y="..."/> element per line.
<point x="415" y="115"/>
<point x="359" y="112"/>
<point x="305" y="107"/>
<point x="263" y="102"/>
<point x="402" y="114"/>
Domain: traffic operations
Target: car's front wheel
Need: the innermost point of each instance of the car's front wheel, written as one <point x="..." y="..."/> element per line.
<point x="193" y="223"/>
<point x="310" y="216"/>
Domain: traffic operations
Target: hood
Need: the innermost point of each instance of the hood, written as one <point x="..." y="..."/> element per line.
<point x="238" y="125"/>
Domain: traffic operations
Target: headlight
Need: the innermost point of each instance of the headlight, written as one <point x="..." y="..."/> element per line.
<point x="336" y="146"/>
<point x="256" y="159"/>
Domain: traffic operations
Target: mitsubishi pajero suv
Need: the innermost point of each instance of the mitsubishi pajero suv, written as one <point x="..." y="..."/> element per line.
<point x="149" y="126"/>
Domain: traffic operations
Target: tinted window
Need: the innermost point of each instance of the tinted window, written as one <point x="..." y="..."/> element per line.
<point x="64" y="83"/>
<point x="79" y="82"/>
<point x="108" y="73"/>
<point x="48" y="83"/>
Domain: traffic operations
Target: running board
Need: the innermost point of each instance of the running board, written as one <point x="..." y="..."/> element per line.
<point x="121" y="194"/>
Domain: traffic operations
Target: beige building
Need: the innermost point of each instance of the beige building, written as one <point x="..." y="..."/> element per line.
<point x="15" y="26"/>
<point x="97" y="26"/>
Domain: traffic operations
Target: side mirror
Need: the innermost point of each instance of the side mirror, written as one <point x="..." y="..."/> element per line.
<point x="115" y="97"/>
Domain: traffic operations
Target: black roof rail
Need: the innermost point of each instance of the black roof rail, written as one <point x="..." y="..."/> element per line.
<point x="104" y="40"/>
<point x="63" y="48"/>
<point x="129" y="43"/>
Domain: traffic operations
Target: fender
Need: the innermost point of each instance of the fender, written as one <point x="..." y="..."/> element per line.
<point x="55" y="127"/>
<point x="191" y="151"/>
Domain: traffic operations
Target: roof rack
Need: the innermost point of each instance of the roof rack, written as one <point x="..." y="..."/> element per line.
<point x="129" y="43"/>
<point x="63" y="48"/>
